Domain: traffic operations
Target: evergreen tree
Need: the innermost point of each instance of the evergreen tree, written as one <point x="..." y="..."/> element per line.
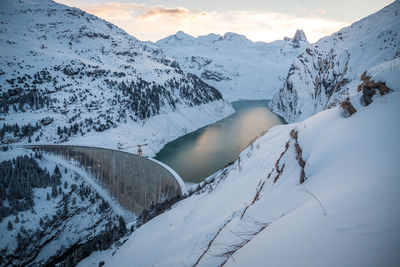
<point x="19" y="238"/>
<point x="57" y="170"/>
<point x="122" y="225"/>
<point x="54" y="191"/>
<point x="9" y="226"/>
<point x="65" y="210"/>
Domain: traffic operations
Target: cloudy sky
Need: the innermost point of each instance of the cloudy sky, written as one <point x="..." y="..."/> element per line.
<point x="259" y="20"/>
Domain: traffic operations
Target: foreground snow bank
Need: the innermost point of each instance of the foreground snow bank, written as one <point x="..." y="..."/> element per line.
<point x="257" y="213"/>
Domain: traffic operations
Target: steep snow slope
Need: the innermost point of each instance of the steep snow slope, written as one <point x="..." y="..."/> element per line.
<point x="235" y="65"/>
<point x="65" y="73"/>
<point x="323" y="192"/>
<point x="330" y="70"/>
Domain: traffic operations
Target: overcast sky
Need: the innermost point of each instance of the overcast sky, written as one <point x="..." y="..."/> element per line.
<point x="257" y="19"/>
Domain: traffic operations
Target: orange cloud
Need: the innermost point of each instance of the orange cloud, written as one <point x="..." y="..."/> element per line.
<point x="177" y="12"/>
<point x="160" y="10"/>
<point x="143" y="21"/>
<point x="113" y="10"/>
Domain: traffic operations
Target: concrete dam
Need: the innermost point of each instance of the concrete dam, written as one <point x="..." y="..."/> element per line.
<point x="136" y="182"/>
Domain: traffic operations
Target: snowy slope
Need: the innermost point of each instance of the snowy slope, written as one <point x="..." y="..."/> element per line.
<point x="330" y="70"/>
<point x="343" y="210"/>
<point x="65" y="74"/>
<point x="236" y="66"/>
<point x="64" y="223"/>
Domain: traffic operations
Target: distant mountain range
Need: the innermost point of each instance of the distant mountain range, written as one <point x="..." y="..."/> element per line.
<point x="233" y="64"/>
<point x="301" y="78"/>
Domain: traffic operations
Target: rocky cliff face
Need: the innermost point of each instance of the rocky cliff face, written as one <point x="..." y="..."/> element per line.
<point x="61" y="66"/>
<point x="298" y="38"/>
<point x="324" y="84"/>
<point x="321" y="77"/>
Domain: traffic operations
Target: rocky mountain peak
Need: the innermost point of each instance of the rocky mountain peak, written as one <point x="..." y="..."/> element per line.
<point x="326" y="72"/>
<point x="180" y="35"/>
<point x="231" y="36"/>
<point x="298" y="37"/>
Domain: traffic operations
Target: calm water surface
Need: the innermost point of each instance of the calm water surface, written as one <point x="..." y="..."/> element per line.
<point x="199" y="154"/>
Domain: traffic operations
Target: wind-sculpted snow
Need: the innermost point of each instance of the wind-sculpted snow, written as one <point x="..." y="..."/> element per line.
<point x="235" y="65"/>
<point x="328" y="72"/>
<point x="81" y="74"/>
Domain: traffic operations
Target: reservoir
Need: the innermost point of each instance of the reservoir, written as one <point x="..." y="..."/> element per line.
<point x="197" y="155"/>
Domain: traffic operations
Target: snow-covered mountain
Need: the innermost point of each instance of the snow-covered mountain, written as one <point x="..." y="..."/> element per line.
<point x="330" y="70"/>
<point x="236" y="66"/>
<point x="321" y="192"/>
<point x="65" y="74"/>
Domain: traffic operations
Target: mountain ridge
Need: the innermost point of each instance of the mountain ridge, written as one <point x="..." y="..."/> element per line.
<point x="238" y="67"/>
<point x="50" y="72"/>
<point x="329" y="71"/>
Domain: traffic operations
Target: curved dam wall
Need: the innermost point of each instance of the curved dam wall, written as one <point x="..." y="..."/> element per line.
<point x="136" y="182"/>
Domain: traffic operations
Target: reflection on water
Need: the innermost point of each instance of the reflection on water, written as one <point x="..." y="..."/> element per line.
<point x="199" y="154"/>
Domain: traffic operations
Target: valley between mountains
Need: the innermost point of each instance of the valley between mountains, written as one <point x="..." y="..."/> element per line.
<point x="321" y="189"/>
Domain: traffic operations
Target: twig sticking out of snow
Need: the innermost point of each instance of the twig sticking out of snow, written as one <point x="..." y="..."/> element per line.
<point x="248" y="236"/>
<point x="311" y="194"/>
<point x="256" y="196"/>
<point x="279" y="171"/>
<point x="212" y="241"/>
<point x="299" y="154"/>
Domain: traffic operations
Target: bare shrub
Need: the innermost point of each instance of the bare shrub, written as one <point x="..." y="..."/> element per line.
<point x="347" y="108"/>
<point x="369" y="87"/>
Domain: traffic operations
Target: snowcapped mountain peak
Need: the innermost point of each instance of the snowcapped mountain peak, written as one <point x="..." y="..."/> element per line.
<point x="235" y="37"/>
<point x="209" y="38"/>
<point x="180" y="35"/>
<point x="232" y="62"/>
<point x="298" y="37"/>
<point x="183" y="39"/>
